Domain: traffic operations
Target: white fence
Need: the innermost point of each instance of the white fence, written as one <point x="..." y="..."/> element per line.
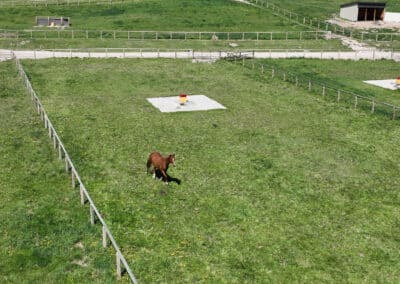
<point x="160" y="35"/>
<point x="121" y="262"/>
<point x="190" y="54"/>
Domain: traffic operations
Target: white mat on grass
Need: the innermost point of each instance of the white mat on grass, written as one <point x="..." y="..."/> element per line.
<point x="194" y="103"/>
<point x="387" y="84"/>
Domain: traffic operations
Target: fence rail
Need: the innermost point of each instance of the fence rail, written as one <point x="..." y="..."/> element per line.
<point x="160" y="35"/>
<point x="76" y="179"/>
<point x="363" y="102"/>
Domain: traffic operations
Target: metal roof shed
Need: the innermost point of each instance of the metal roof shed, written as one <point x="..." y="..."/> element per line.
<point x="363" y="11"/>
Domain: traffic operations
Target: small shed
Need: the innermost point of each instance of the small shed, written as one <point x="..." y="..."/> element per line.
<point x="363" y="11"/>
<point x="53" y="21"/>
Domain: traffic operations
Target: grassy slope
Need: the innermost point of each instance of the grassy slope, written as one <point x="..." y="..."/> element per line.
<point x="43" y="230"/>
<point x="279" y="187"/>
<point x="346" y="75"/>
<point x="324" y="9"/>
<point x="187" y="15"/>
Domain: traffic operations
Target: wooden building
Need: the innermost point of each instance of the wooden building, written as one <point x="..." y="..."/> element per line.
<point x="363" y="11"/>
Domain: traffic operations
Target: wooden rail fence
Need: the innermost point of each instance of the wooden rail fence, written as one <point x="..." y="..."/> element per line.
<point x="76" y="181"/>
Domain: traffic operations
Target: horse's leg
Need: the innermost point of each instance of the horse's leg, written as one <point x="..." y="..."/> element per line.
<point x="165" y="176"/>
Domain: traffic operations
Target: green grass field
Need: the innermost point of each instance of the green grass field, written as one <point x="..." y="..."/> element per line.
<point x="45" y="235"/>
<point x="325" y="9"/>
<point x="281" y="186"/>
<point x="164" y="15"/>
<point x="346" y="75"/>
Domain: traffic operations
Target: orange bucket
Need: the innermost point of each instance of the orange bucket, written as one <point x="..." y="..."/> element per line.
<point x="182" y="99"/>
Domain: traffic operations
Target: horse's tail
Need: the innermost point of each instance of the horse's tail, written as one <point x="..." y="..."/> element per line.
<point x="148" y="165"/>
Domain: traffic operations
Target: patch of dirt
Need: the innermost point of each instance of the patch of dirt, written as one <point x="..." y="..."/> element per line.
<point x="365" y="25"/>
<point x="81" y="262"/>
<point x="78" y="245"/>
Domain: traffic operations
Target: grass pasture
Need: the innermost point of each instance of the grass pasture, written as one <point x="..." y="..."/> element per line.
<point x="161" y="15"/>
<point x="45" y="234"/>
<point x="314" y="8"/>
<point x="280" y="187"/>
<point x="346" y="75"/>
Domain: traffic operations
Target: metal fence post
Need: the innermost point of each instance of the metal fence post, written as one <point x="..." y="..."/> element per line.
<point x="338" y="95"/>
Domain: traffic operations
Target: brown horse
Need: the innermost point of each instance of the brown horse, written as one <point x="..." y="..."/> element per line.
<point x="160" y="163"/>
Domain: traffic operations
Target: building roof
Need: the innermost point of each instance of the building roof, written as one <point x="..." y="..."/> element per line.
<point x="365" y="4"/>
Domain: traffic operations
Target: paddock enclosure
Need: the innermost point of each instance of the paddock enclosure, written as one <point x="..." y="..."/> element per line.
<point x="278" y="186"/>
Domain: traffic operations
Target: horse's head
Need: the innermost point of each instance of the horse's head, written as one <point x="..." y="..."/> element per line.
<point x="172" y="159"/>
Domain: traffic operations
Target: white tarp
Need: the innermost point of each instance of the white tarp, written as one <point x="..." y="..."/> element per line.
<point x="392" y="17"/>
<point x="387" y="84"/>
<point x="194" y="103"/>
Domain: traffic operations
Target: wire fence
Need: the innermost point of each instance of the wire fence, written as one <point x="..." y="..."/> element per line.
<point x="121" y="264"/>
<point x="160" y="35"/>
<point x="321" y="24"/>
<point x="327" y="91"/>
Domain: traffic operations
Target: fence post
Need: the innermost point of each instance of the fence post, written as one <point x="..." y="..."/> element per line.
<point x="50" y="131"/>
<point x="372" y="106"/>
<point x="338" y="95"/>
<point x="272" y="73"/>
<point x="73" y="180"/>
<point x="309" y="85"/>
<point x="262" y="69"/>
<point x="104" y="237"/>
<point x="119" y="271"/>
<point x="323" y="90"/>
<point x="91" y="210"/>
<point x="59" y="151"/>
<point x="297" y="81"/>
<point x="66" y="164"/>
<point x="355" y="101"/>
<point x="82" y="194"/>
<point x="394" y="113"/>
<point x="284" y="76"/>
